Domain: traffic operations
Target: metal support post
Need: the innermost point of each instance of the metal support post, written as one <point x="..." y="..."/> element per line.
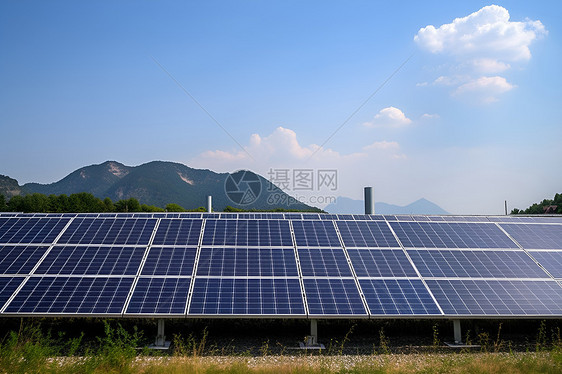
<point x="160" y="337"/>
<point x="457" y="331"/>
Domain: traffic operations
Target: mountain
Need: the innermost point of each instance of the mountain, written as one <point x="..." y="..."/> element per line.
<point x="9" y="187"/>
<point x="345" y="205"/>
<point x="159" y="183"/>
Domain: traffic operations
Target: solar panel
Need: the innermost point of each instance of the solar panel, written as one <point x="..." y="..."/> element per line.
<point x="482" y="264"/>
<point x="30" y="230"/>
<point x="381" y="263"/>
<point x="178" y="232"/>
<point x="315" y="234"/>
<point x="92" y="260"/>
<point x="247" y="262"/>
<point x="170" y="261"/>
<point x="7" y="287"/>
<point x="498" y="297"/>
<point x="551" y="261"/>
<point x="264" y="233"/>
<point x="71" y="295"/>
<point x="118" y="231"/>
<point x="374" y="234"/>
<point x="331" y="296"/>
<point x="19" y="259"/>
<point x="451" y="235"/>
<point x="539" y="236"/>
<point x="398" y="296"/>
<point x="154" y="295"/>
<point x="246" y="297"/>
<point x="323" y="262"/>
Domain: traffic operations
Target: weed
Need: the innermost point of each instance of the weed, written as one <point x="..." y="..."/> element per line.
<point x="384" y="342"/>
<point x="436" y="341"/>
<point x="541" y="343"/>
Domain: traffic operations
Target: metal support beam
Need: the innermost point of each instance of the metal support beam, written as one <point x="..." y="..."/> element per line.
<point x="457" y="331"/>
<point x="313" y="332"/>
<point x="160" y="337"/>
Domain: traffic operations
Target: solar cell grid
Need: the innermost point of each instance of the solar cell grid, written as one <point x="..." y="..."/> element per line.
<point x="398" y="296"/>
<point x="159" y="296"/>
<point x="451" y="235"/>
<point x="215" y="261"/>
<point x="19" y="259"/>
<point x="71" y="295"/>
<point x="331" y="296"/>
<point x="118" y="231"/>
<point x="498" y="297"/>
<point x="482" y="264"/>
<point x="381" y="263"/>
<point x="8" y="286"/>
<point x="170" y="261"/>
<point x="178" y="232"/>
<point x="239" y="296"/>
<point x="265" y="233"/>
<point x="30" y="230"/>
<point x="361" y="234"/>
<point x="92" y="260"/>
<point x="536" y="236"/>
<point x="315" y="234"/>
<point x="324" y="262"/>
<point x="551" y="261"/>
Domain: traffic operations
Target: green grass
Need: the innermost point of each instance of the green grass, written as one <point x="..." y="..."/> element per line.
<point x="30" y="348"/>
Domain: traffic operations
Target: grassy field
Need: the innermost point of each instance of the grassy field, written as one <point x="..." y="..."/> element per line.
<point x="31" y="349"/>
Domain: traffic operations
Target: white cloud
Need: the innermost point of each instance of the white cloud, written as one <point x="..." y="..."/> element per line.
<point x="486" y="33"/>
<point x="385" y="145"/>
<point x="389" y="117"/>
<point x="430" y="116"/>
<point x="486" y="88"/>
<point x="483" y="43"/>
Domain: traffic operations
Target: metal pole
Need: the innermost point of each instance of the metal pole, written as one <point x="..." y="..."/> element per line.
<point x="457" y="331"/>
<point x="313" y="332"/>
<point x="160" y="337"/>
<point x="369" y="201"/>
<point x="209" y="204"/>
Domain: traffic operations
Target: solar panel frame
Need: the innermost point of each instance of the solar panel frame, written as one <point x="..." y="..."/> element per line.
<point x="109" y="231"/>
<point x="334" y="298"/>
<point x="20" y="259"/>
<point x="250" y="233"/>
<point x="497" y="298"/>
<point x="369" y="262"/>
<point x="30" y="230"/>
<point x="551" y="261"/>
<point x="178" y="232"/>
<point x="169" y="261"/>
<point x="324" y="262"/>
<point x="366" y="234"/>
<point x="315" y="234"/>
<point x="159" y="296"/>
<point x="535" y="236"/>
<point x="451" y="235"/>
<point x="454" y="263"/>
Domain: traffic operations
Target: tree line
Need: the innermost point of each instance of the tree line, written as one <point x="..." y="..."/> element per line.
<point x="82" y="202"/>
<point x="539" y="208"/>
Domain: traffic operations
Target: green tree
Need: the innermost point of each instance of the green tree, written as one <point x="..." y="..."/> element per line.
<point x="128" y="205"/>
<point x="150" y="208"/>
<point x="108" y="205"/>
<point x="15" y="204"/>
<point x="3" y="206"/>
<point x="174" y="208"/>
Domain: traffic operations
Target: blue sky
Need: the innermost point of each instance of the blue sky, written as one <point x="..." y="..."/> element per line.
<point x="473" y="118"/>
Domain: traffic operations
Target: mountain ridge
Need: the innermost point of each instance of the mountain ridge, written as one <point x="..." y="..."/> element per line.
<point x="345" y="205"/>
<point x="162" y="182"/>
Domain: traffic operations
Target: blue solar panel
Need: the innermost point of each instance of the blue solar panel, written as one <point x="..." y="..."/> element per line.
<point x="94" y="260"/>
<point x="381" y="263"/>
<point x="30" y="230"/>
<point x="19" y="259"/>
<point x="118" y="231"/>
<point x="315" y="234"/>
<point x="71" y="295"/>
<point x="539" y="236"/>
<point x="262" y="233"/>
<point x="322" y="262"/>
<point x="374" y="234"/>
<point x="239" y="296"/>
<point x="7" y="287"/>
<point x="482" y="264"/>
<point x="398" y="296"/>
<point x="159" y="296"/>
<point x="170" y="261"/>
<point x="498" y="297"/>
<point x="451" y="235"/>
<point x="551" y="261"/>
<point x="178" y="232"/>
<point x="330" y="296"/>
<point x="247" y="262"/>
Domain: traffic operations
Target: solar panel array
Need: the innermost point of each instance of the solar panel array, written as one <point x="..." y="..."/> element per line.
<point x="280" y="265"/>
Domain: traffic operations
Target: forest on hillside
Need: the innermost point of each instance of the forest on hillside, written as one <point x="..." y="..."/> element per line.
<point x="553" y="206"/>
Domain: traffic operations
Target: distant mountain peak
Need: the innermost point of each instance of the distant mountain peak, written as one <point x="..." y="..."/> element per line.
<point x="345" y="205"/>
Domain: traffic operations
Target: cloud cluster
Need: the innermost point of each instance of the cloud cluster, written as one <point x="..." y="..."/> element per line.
<point x="389" y="117"/>
<point x="482" y="43"/>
